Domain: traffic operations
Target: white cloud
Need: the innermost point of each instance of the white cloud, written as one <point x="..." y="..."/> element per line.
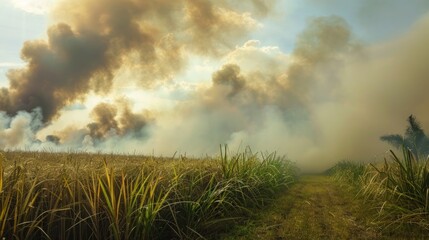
<point x="40" y="7"/>
<point x="11" y="64"/>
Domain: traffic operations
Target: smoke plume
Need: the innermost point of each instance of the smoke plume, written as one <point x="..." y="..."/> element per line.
<point x="91" y="41"/>
<point x="330" y="98"/>
<point x="109" y="120"/>
<point x="19" y="132"/>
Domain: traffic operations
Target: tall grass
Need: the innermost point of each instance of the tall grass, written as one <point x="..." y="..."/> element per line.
<point x="402" y="185"/>
<point x="398" y="188"/>
<point x="241" y="182"/>
<point x="348" y="173"/>
<point x="84" y="196"/>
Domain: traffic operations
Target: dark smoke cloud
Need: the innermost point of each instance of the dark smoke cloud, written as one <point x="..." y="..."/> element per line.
<point x="229" y="77"/>
<point x="312" y="68"/>
<point x="116" y="120"/>
<point x="131" y="123"/>
<point x="104" y="115"/>
<point x="57" y="73"/>
<point x="54" y="139"/>
<point x="211" y="26"/>
<point x="92" y="41"/>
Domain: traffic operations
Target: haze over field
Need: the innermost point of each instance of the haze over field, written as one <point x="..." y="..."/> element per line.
<point x="319" y="81"/>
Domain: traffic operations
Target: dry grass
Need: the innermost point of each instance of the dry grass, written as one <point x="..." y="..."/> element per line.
<point x="398" y="189"/>
<point x="94" y="196"/>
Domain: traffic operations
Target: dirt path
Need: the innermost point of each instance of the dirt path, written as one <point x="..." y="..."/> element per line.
<point x="314" y="208"/>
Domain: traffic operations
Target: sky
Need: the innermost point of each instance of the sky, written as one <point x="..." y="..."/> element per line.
<point x="316" y="80"/>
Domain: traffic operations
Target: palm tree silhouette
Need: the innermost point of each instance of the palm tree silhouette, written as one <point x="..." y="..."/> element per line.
<point x="414" y="138"/>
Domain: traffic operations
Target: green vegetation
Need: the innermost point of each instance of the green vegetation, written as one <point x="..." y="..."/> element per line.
<point x="402" y="185"/>
<point x="348" y="173"/>
<point x="94" y="196"/>
<point x="313" y="208"/>
<point x="398" y="189"/>
<point x="414" y="138"/>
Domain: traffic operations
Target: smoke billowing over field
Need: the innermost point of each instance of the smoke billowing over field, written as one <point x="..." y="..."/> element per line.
<point x="188" y="75"/>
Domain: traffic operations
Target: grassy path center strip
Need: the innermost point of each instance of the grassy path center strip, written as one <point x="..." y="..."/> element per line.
<point x="313" y="208"/>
